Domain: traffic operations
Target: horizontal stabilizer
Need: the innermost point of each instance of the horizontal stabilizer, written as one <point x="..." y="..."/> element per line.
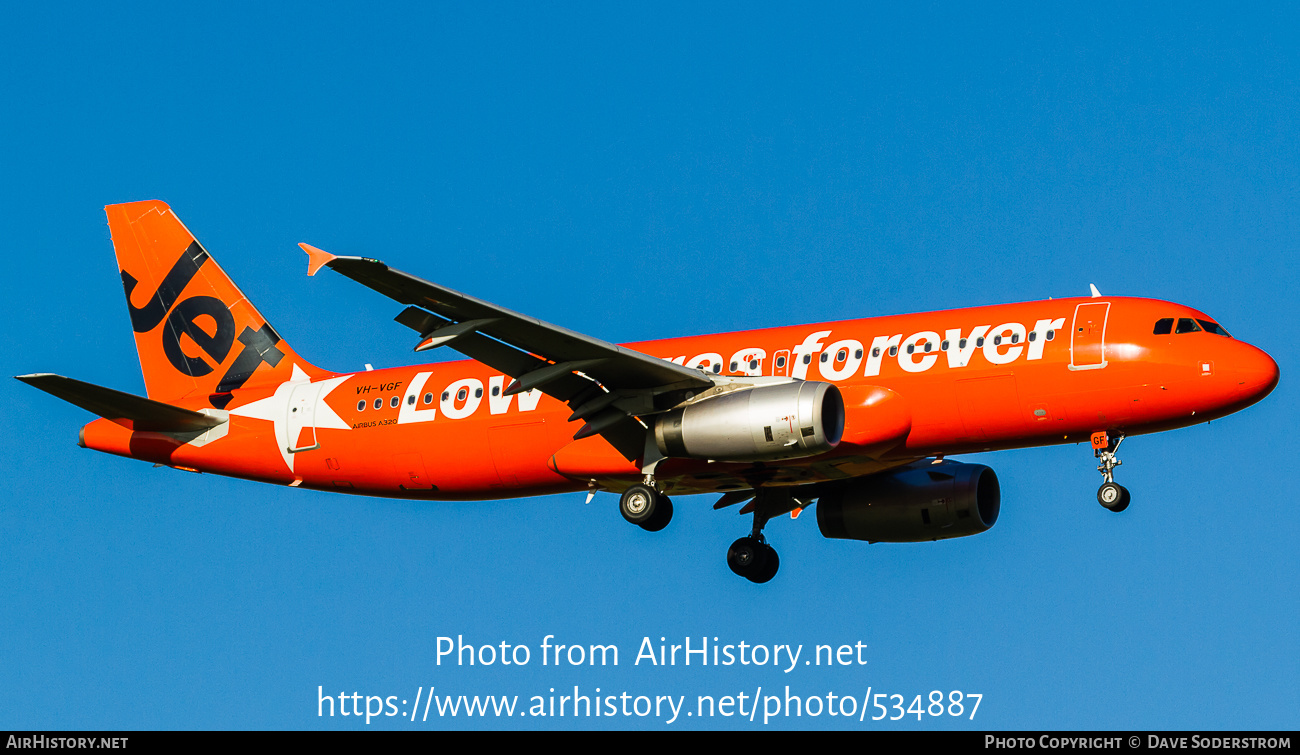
<point x="126" y="409"/>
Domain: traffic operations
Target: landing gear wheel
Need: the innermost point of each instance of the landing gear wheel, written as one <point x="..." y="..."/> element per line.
<point x="747" y="556"/>
<point x="1123" y="500"/>
<point x="768" y="571"/>
<point x="638" y="504"/>
<point x="663" y="514"/>
<point x="1113" y="496"/>
<point x="753" y="559"/>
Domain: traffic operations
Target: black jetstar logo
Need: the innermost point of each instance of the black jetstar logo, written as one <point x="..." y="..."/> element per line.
<point x="258" y="345"/>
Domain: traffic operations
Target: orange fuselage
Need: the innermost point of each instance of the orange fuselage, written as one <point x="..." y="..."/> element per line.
<point x="984" y="378"/>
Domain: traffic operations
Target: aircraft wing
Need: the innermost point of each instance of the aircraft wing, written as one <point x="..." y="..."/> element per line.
<point x="607" y="385"/>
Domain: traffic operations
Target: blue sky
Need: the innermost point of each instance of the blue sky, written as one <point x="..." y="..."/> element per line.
<point x="641" y="172"/>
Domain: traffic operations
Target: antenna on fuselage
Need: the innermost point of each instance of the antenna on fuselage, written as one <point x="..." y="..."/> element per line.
<point x="1095" y="292"/>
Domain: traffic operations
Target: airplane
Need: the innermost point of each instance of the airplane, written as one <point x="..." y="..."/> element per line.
<point x="856" y="416"/>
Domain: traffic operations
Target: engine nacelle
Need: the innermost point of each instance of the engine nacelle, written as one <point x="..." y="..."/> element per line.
<point x="764" y="423"/>
<point x="919" y="502"/>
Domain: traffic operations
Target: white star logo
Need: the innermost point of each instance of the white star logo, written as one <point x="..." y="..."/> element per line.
<point x="276" y="409"/>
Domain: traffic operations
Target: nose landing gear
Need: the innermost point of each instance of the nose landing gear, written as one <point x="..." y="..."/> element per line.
<point x="1111" y="495"/>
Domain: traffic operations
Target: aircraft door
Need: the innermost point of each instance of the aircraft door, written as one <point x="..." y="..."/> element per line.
<point x="302" y="417"/>
<point x="411" y="473"/>
<point x="989" y="406"/>
<point x="1088" y="336"/>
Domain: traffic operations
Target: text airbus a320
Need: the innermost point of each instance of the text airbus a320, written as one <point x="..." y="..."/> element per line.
<point x="857" y="416"/>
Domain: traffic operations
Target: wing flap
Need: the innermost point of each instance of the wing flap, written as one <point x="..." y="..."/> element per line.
<point x="126" y="409"/>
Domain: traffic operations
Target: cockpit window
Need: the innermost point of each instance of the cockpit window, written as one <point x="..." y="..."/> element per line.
<point x="1214" y="327"/>
<point x="1187" y="325"/>
<point x="1164" y="327"/>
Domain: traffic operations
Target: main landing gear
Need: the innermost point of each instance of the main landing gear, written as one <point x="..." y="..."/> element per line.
<point x="644" y="506"/>
<point x="1111" y="494"/>
<point x="750" y="556"/>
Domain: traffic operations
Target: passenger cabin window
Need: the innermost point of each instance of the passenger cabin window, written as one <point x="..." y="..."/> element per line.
<point x="1187" y="325"/>
<point x="1214" y="327"/>
<point x="1164" y="327"/>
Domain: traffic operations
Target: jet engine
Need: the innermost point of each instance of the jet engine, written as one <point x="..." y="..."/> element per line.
<point x="763" y="423"/>
<point x="919" y="502"/>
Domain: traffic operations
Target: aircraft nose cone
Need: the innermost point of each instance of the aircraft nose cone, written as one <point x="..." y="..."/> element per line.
<point x="1255" y="373"/>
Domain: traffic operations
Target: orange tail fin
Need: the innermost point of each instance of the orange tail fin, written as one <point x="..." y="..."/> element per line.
<point x="196" y="333"/>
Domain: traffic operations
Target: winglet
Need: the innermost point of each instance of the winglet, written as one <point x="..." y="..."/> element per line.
<point x="317" y="258"/>
<point x="1095" y="292"/>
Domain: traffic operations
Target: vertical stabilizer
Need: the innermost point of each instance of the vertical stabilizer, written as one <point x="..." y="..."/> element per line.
<point x="195" y="332"/>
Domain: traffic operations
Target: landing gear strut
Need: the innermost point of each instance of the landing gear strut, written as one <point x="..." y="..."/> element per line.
<point x="647" y="508"/>
<point x="1111" y="494"/>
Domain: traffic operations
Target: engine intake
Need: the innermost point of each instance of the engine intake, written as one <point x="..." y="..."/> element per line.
<point x="764" y="423"/>
<point x="919" y="502"/>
